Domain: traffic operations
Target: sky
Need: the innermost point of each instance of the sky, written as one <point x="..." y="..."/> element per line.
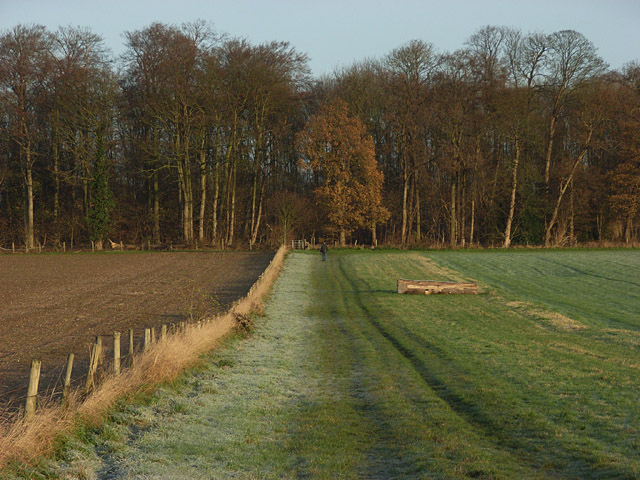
<point x="336" y="33"/>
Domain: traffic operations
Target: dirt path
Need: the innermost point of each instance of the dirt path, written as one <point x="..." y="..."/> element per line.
<point x="52" y="305"/>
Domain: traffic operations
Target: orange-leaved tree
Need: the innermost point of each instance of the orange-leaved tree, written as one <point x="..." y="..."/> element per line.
<point x="337" y="148"/>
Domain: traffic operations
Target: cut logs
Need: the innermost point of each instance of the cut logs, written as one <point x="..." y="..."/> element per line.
<point x="429" y="287"/>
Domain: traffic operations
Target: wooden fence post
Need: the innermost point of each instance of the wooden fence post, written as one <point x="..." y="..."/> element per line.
<point x="116" y="353"/>
<point x="153" y="335"/>
<point x="131" y="347"/>
<point x="94" y="360"/>
<point x="67" y="377"/>
<point x="64" y="247"/>
<point x="163" y="333"/>
<point x="32" y="391"/>
<point x="147" y="339"/>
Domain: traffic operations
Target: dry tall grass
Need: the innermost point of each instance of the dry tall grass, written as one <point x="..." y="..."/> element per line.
<point x="24" y="442"/>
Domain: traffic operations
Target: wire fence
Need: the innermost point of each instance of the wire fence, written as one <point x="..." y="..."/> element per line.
<point x="51" y="377"/>
<point x="96" y="356"/>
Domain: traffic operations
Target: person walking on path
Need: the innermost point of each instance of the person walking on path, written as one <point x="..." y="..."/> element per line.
<point x="323" y="250"/>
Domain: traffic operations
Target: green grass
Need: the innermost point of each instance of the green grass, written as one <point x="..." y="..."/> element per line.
<point x="598" y="287"/>
<point x="536" y="377"/>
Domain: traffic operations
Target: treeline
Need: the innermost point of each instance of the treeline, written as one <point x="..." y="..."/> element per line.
<point x="192" y="137"/>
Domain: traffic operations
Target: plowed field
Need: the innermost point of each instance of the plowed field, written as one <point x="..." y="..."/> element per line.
<point x="52" y="305"/>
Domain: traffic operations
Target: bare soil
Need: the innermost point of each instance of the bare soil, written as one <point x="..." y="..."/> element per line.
<point x="53" y="305"/>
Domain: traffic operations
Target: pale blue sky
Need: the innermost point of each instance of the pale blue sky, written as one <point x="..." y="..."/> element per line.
<point x="334" y="33"/>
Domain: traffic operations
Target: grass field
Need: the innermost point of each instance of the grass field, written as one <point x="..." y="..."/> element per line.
<point x="536" y="377"/>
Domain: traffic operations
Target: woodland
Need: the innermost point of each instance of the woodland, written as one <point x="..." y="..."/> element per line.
<point x="194" y="138"/>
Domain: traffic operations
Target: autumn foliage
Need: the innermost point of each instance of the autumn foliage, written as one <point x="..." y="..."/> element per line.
<point x="337" y="148"/>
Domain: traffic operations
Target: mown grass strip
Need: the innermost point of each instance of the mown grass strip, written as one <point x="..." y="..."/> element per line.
<point x="598" y="287"/>
<point x="527" y="386"/>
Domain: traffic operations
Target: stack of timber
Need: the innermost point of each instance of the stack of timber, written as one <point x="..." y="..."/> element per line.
<point x="428" y="287"/>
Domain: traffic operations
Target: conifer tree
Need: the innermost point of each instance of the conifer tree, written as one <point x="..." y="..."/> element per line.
<point x="99" y="217"/>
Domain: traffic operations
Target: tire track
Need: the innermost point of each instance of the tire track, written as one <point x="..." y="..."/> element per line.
<point x="479" y="420"/>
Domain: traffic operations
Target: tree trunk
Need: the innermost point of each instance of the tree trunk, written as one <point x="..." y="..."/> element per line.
<point x="28" y="220"/>
<point x="185" y="188"/>
<point x="452" y="216"/>
<point x="462" y="215"/>
<point x="188" y="222"/>
<point x="181" y="205"/>
<point x="552" y="131"/>
<point x="563" y="189"/>
<point x="254" y="194"/>
<point x="229" y="184"/>
<point x="85" y="176"/>
<point x="56" y="193"/>
<point x="257" y="156"/>
<point x="428" y="287"/>
<point x="203" y="192"/>
<point x="214" y="208"/>
<point x="405" y="194"/>
<point x="572" y="237"/>
<point x="156" y="188"/>
<point x="227" y="201"/>
<point x="188" y="196"/>
<point x="473" y="219"/>
<point x="254" y="231"/>
<point x="418" y="218"/>
<point x="232" y="214"/>
<point x="512" y="203"/>
<point x="343" y="237"/>
<point x="156" y="208"/>
<point x="55" y="153"/>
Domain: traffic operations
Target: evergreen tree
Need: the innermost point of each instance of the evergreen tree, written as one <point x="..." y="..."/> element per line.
<point x="102" y="203"/>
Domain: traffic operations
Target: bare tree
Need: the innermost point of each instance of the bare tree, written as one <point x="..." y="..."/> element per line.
<point x="524" y="56"/>
<point x="24" y="58"/>
<point x="275" y="71"/>
<point x="571" y="60"/>
<point x="411" y="67"/>
<point x="166" y="63"/>
<point x="82" y="91"/>
<point x="591" y="115"/>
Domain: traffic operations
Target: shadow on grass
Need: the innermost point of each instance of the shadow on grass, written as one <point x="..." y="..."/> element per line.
<point x="522" y="442"/>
